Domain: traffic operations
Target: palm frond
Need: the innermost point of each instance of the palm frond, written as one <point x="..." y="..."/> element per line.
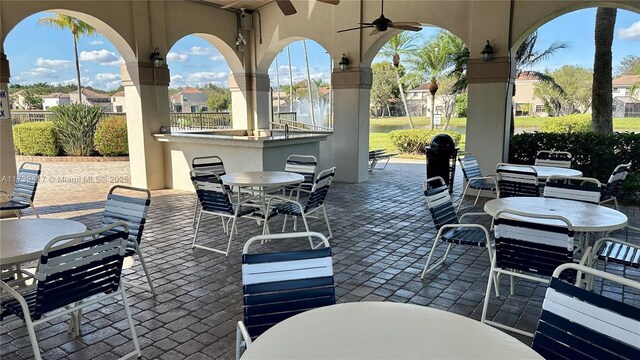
<point x="545" y="78"/>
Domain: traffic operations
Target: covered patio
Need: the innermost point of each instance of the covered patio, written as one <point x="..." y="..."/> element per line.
<point x="382" y="235"/>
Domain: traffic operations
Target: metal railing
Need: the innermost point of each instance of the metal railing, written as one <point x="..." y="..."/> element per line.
<point x="200" y="121"/>
<point x="287" y="116"/>
<point x="289" y="119"/>
<point x="22" y="117"/>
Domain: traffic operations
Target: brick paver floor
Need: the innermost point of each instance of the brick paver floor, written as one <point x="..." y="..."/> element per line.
<point x="382" y="235"/>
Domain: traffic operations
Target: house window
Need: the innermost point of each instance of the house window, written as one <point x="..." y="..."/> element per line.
<point x="178" y="108"/>
<point x="204" y="108"/>
<point x="539" y="108"/>
<point x="194" y="108"/>
<point x="438" y="109"/>
<point x="119" y="109"/>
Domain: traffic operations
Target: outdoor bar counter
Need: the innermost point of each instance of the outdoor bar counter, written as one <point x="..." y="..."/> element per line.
<point x="240" y="150"/>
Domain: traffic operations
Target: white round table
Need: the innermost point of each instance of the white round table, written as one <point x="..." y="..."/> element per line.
<point x="583" y="216"/>
<point x="545" y="171"/>
<point x="384" y="330"/>
<point x="262" y="178"/>
<point x="22" y="240"/>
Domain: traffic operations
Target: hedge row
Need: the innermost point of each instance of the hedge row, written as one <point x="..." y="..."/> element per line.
<point x="596" y="155"/>
<point x="414" y="141"/>
<point x="41" y="138"/>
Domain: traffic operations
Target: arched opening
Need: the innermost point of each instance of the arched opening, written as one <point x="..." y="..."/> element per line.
<point x="199" y="95"/>
<point x="301" y="93"/>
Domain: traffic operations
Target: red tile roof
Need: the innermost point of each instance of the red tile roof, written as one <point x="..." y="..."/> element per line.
<point x="626" y="80"/>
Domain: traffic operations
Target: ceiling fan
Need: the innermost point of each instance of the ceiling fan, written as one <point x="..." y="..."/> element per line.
<point x="382" y="24"/>
<point x="285" y="6"/>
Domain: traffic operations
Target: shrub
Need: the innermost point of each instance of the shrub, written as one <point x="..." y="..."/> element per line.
<point x="36" y="138"/>
<point x="75" y="125"/>
<point x="596" y="155"/>
<point x="567" y="124"/>
<point x="414" y="141"/>
<point x="110" y="138"/>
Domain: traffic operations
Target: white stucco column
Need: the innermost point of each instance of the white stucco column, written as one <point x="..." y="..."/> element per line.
<point x="7" y="153"/>
<point x="489" y="111"/>
<point x="351" y="90"/>
<point x="147" y="104"/>
<point x="250" y="100"/>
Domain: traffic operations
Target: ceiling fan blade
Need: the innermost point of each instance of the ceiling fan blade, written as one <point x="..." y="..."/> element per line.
<point x="365" y="23"/>
<point x="231" y="4"/>
<point x="356" y="28"/>
<point x="405" y="27"/>
<point x="330" y="2"/>
<point x="373" y="32"/>
<point x="286" y="7"/>
<point x="407" y="23"/>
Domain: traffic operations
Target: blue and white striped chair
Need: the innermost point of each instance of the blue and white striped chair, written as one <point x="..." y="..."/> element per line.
<point x="517" y="180"/>
<point x="573" y="188"/>
<point x="579" y="324"/>
<point x="73" y="277"/>
<point x="304" y="165"/>
<point x="24" y="189"/>
<point x="279" y="285"/>
<point x="554" y="158"/>
<point x="474" y="178"/>
<point x="611" y="190"/>
<point x="214" y="199"/>
<point x="528" y="246"/>
<point x="450" y="230"/>
<point x="313" y="205"/>
<point x="206" y="165"/>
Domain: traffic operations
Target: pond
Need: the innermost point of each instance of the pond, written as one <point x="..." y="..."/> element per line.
<point x="387" y="128"/>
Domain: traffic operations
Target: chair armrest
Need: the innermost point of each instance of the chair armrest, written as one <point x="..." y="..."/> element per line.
<point x="474" y="214"/>
<point x="492" y="178"/>
<point x="477" y="226"/>
<point x="598" y="245"/>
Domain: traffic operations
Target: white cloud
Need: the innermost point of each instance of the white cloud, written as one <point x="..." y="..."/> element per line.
<point x="96" y="42"/>
<point x="205" y="76"/>
<point x="107" y="76"/>
<point x="217" y="57"/>
<point x="113" y="84"/>
<point x="200" y="78"/>
<point x="175" y="56"/>
<point x="102" y="57"/>
<point x="199" y="50"/>
<point x="630" y="33"/>
<point x="41" y="73"/>
<point x="49" y="63"/>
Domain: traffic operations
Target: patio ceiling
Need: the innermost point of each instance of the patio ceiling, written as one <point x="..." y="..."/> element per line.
<point x="237" y="4"/>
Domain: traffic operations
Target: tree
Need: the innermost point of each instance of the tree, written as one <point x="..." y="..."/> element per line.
<point x="602" y="109"/>
<point x="433" y="61"/>
<point x="400" y="45"/>
<point x="78" y="29"/>
<point x="629" y="65"/>
<point x="383" y="85"/>
<point x="31" y="100"/>
<point x="461" y="105"/>
<point x="576" y="84"/>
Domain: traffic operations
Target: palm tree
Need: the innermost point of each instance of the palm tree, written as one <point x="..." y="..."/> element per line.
<point x="434" y="60"/>
<point x="78" y="29"/>
<point x="400" y="44"/>
<point x="602" y="101"/>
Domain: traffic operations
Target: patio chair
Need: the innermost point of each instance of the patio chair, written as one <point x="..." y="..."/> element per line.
<point x="579" y="324"/>
<point x="553" y="158"/>
<point x="529" y="246"/>
<point x="279" y="285"/>
<point x="205" y="165"/>
<point x="214" y="199"/>
<point x="378" y="155"/>
<point x="573" y="188"/>
<point x="611" y="190"/>
<point x="24" y="190"/>
<point x="617" y="251"/>
<point x="312" y="206"/>
<point x="304" y="165"/>
<point x="70" y="278"/>
<point x="517" y="180"/>
<point x="474" y="178"/>
<point x="450" y="230"/>
<point x="130" y="205"/>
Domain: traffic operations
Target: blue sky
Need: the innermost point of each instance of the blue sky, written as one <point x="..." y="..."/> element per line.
<point x="45" y="54"/>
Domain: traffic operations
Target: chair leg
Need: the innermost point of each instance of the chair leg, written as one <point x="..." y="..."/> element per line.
<point x="233" y="226"/>
<point x="284" y="223"/>
<point x="195" y="212"/>
<point x="326" y="219"/>
<point x="615" y="201"/>
<point x="146" y="272"/>
<point x="127" y="310"/>
<point x="32" y="337"/>
<point x="462" y="197"/>
<point x="511" y="284"/>
<point x="239" y="343"/>
<point x="38" y="216"/>
<point x="306" y="227"/>
<point x="197" y="228"/>
<point x="427" y="269"/>
<point x="17" y="212"/>
<point x="487" y="294"/>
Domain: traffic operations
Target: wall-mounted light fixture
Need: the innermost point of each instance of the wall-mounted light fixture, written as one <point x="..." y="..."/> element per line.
<point x="156" y="59"/>
<point x="344" y="62"/>
<point x="240" y="42"/>
<point x="487" y="52"/>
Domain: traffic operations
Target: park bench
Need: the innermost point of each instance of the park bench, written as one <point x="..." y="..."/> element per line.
<point x="377" y="155"/>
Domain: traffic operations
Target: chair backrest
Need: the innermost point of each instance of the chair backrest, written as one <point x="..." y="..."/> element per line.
<point x="320" y="189"/>
<point x="580" y="324"/>
<point x="554" y="158"/>
<point x="27" y="179"/>
<point x="304" y="165"/>
<point x="127" y="208"/>
<point x="279" y="285"/>
<point x="517" y="180"/>
<point x="469" y="165"/>
<point x="71" y="270"/>
<point x="208" y="164"/>
<point x="211" y="192"/>
<point x="439" y="202"/>
<point x="573" y="188"/>
<point x="614" y="185"/>
<point x="532" y="243"/>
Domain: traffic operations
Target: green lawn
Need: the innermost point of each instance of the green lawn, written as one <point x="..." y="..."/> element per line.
<point x="380" y="128"/>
